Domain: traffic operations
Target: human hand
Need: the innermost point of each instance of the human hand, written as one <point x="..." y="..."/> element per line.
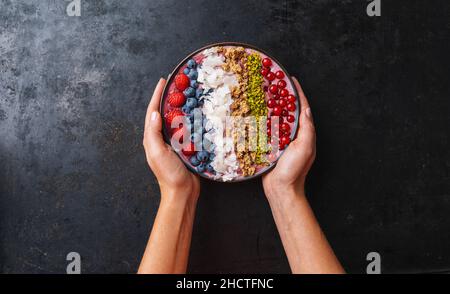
<point x="288" y="176"/>
<point x="304" y="242"/>
<point x="173" y="177"/>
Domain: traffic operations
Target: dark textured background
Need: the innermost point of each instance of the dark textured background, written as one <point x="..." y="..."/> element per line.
<point x="73" y="95"/>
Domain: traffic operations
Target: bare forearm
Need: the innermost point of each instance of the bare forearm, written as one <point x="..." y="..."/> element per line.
<point x="306" y="246"/>
<point x="167" y="250"/>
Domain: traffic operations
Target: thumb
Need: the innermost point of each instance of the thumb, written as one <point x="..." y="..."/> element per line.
<point x="306" y="132"/>
<point x="153" y="136"/>
<point x="306" y="120"/>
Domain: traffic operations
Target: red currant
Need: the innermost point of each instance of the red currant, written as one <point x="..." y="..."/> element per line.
<point x="282" y="103"/>
<point x="281" y="84"/>
<point x="264" y="71"/>
<point x="276" y="97"/>
<point x="284" y="112"/>
<point x="273" y="89"/>
<point x="291" y="107"/>
<point x="271" y="104"/>
<point x="279" y="74"/>
<point x="277" y="110"/>
<point x="285" y="140"/>
<point x="270" y="76"/>
<point x="267" y="62"/>
<point x="290" y="118"/>
<point x="285" y="127"/>
<point x="291" y="98"/>
<point x="284" y="93"/>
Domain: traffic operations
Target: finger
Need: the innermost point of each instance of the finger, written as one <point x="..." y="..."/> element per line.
<point x="306" y="132"/>
<point x="301" y="151"/>
<point x="154" y="102"/>
<point x="152" y="134"/>
<point x="153" y="122"/>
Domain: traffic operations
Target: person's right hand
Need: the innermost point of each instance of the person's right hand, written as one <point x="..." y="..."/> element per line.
<point x="167" y="249"/>
<point x="173" y="177"/>
<point x="293" y="166"/>
<point x="304" y="242"/>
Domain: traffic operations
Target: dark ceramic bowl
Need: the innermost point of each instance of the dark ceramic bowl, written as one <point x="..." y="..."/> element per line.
<point x="170" y="80"/>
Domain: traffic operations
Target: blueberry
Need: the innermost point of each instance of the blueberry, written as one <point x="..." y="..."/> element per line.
<point x="186" y="109"/>
<point x="212" y="156"/>
<point x="186" y="71"/>
<point x="194" y="85"/>
<point x="209" y="168"/>
<point x="203" y="156"/>
<point x="193" y="74"/>
<point x="196" y="137"/>
<point x="191" y="103"/>
<point x="194" y="161"/>
<point x="191" y="63"/>
<point x="201" y="168"/>
<point x="189" y="92"/>
<point x="198" y="93"/>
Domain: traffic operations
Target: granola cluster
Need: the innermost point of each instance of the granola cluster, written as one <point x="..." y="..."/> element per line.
<point x="236" y="59"/>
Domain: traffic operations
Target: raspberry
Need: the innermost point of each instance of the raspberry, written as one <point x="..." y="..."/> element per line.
<point x="172" y="114"/>
<point x="176" y="99"/>
<point x="182" y="81"/>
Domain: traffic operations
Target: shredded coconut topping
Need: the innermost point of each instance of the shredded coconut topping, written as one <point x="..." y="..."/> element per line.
<point x="218" y="83"/>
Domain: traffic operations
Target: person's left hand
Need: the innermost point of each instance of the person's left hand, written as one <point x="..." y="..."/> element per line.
<point x="173" y="177"/>
<point x="288" y="176"/>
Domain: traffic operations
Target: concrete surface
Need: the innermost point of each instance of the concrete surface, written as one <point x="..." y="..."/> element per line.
<point x="73" y="95"/>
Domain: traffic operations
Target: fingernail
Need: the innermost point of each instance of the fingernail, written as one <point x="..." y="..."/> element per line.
<point x="308" y="113"/>
<point x="154" y="114"/>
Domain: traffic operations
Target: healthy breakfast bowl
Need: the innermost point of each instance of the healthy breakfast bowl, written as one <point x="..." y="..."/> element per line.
<point x="229" y="110"/>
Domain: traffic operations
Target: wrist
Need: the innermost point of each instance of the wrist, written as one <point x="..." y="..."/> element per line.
<point x="284" y="196"/>
<point x="278" y="190"/>
<point x="180" y="196"/>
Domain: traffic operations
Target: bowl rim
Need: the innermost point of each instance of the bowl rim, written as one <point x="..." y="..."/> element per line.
<point x="169" y="81"/>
